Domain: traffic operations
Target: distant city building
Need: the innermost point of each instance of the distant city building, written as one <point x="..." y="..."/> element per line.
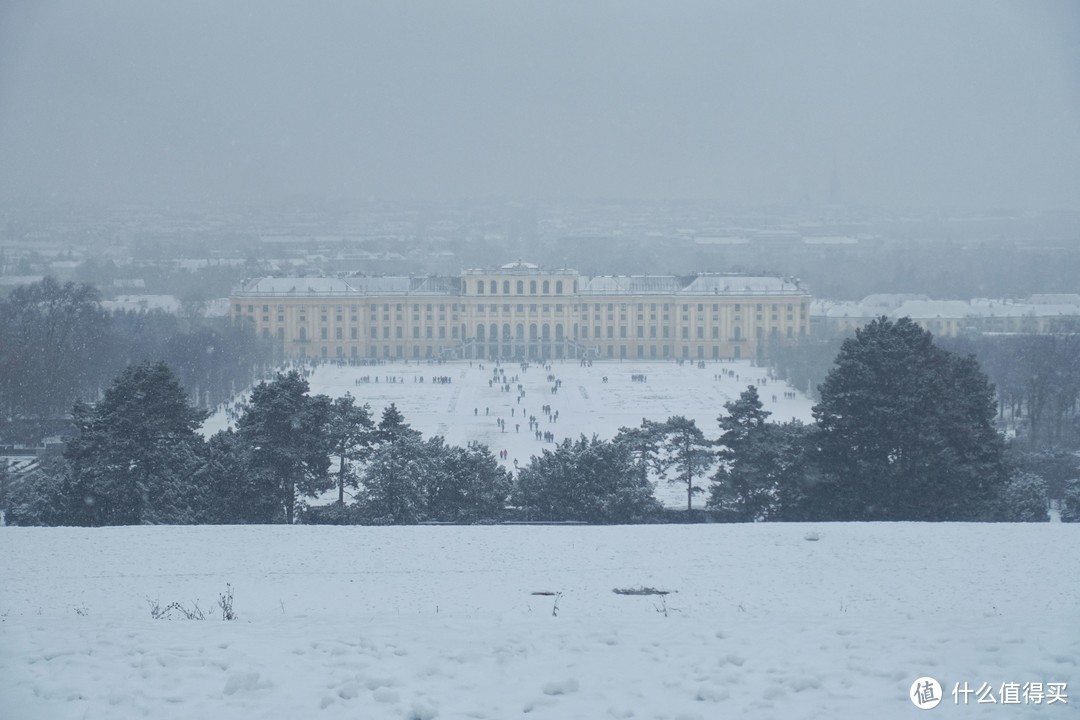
<point x="521" y="311"/>
<point x="1041" y="314"/>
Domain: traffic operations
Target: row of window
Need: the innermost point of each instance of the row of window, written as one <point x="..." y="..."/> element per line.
<point x="544" y="333"/>
<point x="519" y="286"/>
<point x="585" y="307"/>
<point x="623" y="351"/>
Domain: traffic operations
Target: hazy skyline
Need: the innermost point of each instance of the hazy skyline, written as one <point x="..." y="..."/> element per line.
<point x="968" y="103"/>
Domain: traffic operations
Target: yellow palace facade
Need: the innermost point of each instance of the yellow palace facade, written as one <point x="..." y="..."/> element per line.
<point x="521" y="311"/>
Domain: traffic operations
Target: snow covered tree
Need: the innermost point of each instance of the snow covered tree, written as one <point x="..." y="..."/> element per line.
<point x="230" y="484"/>
<point x="905" y="431"/>
<point x="38" y="497"/>
<point x="744" y="484"/>
<point x="352" y="437"/>
<point x="284" y="432"/>
<point x="392" y="426"/>
<point x="589" y="480"/>
<point x="469" y="484"/>
<point x="137" y="451"/>
<point x="1024" y="499"/>
<point x="1070" y="504"/>
<point x="396" y="476"/>
<point x="53" y="338"/>
<point x="688" y="452"/>
<point x="645" y="444"/>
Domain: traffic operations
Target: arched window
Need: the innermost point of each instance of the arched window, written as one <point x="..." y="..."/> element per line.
<point x="558" y="287"/>
<point x="532" y="287"/>
<point x="547" y="287"/>
<point x="480" y="333"/>
<point x="520" y="331"/>
<point x="494" y="332"/>
<point x="546" y="331"/>
<point x="738" y="333"/>
<point x="303" y="334"/>
<point x="558" y="331"/>
<point x="494" y="287"/>
<point x="479" y="287"/>
<point x="506" y="287"/>
<point x="532" y="331"/>
<point x="506" y="332"/>
<point x="521" y="287"/>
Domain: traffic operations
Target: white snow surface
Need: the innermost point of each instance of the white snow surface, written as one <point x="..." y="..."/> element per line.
<point x="442" y="622"/>
<point x="467" y="409"/>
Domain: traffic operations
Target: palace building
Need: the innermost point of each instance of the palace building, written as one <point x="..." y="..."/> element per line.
<point x="521" y="311"/>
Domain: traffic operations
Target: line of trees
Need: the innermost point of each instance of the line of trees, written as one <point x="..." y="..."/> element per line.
<point x="904" y="431"/>
<point x="1036" y="378"/>
<point x="58" y="346"/>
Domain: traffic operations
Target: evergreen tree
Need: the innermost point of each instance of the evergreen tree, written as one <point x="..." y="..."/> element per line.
<point x="792" y="472"/>
<point x="905" y="430"/>
<point x="1070" y="504"/>
<point x="135" y="457"/>
<point x="53" y="338"/>
<point x="284" y="433"/>
<point x="644" y="443"/>
<point x="688" y="452"/>
<point x="231" y="486"/>
<point x="352" y="437"/>
<point x="1024" y="499"/>
<point x="589" y="480"/>
<point x="396" y="477"/>
<point x="469" y="485"/>
<point x="392" y="426"/>
<point x="38" y="496"/>
<point x="744" y="485"/>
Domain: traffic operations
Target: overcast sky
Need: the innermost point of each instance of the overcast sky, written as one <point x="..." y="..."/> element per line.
<point x="969" y="103"/>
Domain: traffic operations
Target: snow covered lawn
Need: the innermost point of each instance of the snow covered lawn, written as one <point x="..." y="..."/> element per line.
<point x="425" y="622"/>
<point x="467" y="409"/>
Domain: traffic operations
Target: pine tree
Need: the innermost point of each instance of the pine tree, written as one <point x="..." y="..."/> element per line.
<point x="1024" y="499"/>
<point x="905" y="431"/>
<point x="688" y="452"/>
<point x="392" y="426"/>
<point x="284" y="433"/>
<point x="352" y="437"/>
<point x="588" y="480"/>
<point x="469" y="485"/>
<point x="1070" y="504"/>
<point x="644" y="443"/>
<point x="396" y="477"/>
<point x="744" y="485"/>
<point x="137" y="452"/>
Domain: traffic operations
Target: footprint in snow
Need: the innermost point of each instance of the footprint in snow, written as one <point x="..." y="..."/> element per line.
<point x="560" y="687"/>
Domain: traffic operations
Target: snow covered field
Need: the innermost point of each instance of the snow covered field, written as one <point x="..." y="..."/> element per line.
<point x="441" y="622"/>
<point x="467" y="408"/>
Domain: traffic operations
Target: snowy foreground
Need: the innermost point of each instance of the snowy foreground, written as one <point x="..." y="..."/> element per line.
<point x="441" y="622"/>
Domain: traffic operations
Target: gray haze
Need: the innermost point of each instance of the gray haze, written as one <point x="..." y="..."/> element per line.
<point x="904" y="103"/>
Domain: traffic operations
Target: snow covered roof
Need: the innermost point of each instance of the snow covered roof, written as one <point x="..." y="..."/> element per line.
<point x="631" y="285"/>
<point x="353" y="285"/>
<point x="297" y="286"/>
<point x="740" y="284"/>
<point x="168" y="303"/>
<point x="1055" y="299"/>
<point x="930" y="309"/>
